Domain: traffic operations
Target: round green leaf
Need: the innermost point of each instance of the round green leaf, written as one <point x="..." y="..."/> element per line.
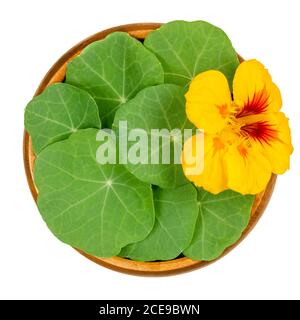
<point x="113" y="70"/>
<point x="98" y="208"/>
<point x="158" y="107"/>
<point x="58" y="112"/>
<point x="221" y="220"/>
<point x="176" y="213"/>
<point x="187" y="48"/>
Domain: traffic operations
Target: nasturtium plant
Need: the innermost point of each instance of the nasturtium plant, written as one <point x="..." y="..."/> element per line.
<point x="176" y="213"/>
<point x="187" y="48"/>
<point x="113" y="71"/>
<point x="156" y="108"/>
<point x="140" y="207"/>
<point x="221" y="220"/>
<point x="58" y="112"/>
<point x="98" y="208"/>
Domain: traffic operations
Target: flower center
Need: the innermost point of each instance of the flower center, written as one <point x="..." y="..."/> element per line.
<point x="243" y="125"/>
<point x="232" y="131"/>
<point x="259" y="130"/>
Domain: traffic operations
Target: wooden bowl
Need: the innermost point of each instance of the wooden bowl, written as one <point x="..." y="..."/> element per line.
<point x="57" y="74"/>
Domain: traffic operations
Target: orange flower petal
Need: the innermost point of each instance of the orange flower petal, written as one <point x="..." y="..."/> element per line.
<point x="279" y="147"/>
<point x="212" y="178"/>
<point x="248" y="170"/>
<point x="253" y="90"/>
<point x="209" y="103"/>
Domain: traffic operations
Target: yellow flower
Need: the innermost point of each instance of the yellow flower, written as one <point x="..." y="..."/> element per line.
<point x="246" y="137"/>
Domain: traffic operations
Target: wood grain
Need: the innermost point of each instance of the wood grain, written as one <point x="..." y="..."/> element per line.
<point x="176" y="266"/>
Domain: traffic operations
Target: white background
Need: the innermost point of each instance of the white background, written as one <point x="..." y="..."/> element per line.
<point x="33" y="264"/>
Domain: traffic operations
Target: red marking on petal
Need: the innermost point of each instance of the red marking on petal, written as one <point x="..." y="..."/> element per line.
<point x="255" y="105"/>
<point x="261" y="131"/>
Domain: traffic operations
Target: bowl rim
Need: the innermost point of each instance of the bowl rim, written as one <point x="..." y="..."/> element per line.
<point x="160" y="268"/>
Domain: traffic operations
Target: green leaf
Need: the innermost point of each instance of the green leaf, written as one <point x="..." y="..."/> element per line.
<point x="176" y="212"/>
<point x="113" y="71"/>
<point x="221" y="220"/>
<point x="187" y="48"/>
<point x="58" y="112"/>
<point x="158" y="107"/>
<point x="98" y="208"/>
